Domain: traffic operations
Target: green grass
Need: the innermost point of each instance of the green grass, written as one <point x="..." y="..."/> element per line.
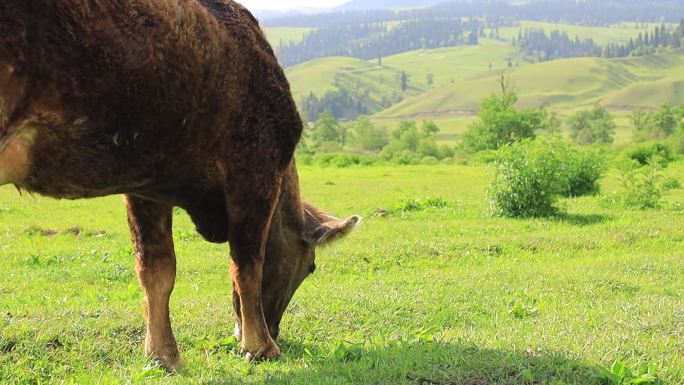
<point x="442" y="295"/>
<point x="455" y="63"/>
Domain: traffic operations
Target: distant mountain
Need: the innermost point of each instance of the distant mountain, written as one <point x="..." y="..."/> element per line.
<point x="365" y="5"/>
<point x="267" y="14"/>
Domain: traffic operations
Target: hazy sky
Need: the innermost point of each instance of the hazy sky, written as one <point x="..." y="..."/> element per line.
<point x="289" y="4"/>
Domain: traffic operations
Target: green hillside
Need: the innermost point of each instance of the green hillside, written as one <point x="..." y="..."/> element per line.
<point x="616" y="33"/>
<point x="566" y="84"/>
<point x="462" y="76"/>
<point x="379" y="83"/>
<point x="455" y="63"/>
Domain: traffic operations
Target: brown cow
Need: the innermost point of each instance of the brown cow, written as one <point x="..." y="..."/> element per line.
<point x="172" y="103"/>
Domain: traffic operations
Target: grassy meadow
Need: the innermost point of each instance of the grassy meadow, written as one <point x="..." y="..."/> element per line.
<point x="444" y="295"/>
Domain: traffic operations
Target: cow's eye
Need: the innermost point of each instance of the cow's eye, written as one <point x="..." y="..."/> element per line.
<point x="312" y="268"/>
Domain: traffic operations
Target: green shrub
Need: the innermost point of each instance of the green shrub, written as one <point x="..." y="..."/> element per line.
<point x="304" y="159"/>
<point x="416" y="204"/>
<point x="642" y="187"/>
<point x="671" y="183"/>
<point x="343" y="160"/>
<point x="595" y="125"/>
<point x="500" y="123"/>
<point x="532" y="175"/>
<point x="430" y="160"/>
<point x="585" y="168"/>
<point x="646" y="153"/>
<point x="483" y="158"/>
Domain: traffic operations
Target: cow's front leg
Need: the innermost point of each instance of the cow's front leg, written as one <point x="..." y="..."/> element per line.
<point x="150" y="224"/>
<point x="249" y="224"/>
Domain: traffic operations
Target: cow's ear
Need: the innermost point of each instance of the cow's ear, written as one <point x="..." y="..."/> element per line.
<point x="321" y="228"/>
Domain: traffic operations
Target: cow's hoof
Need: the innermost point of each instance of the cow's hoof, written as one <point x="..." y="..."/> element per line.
<point x="169" y="364"/>
<point x="169" y="361"/>
<point x="270" y="352"/>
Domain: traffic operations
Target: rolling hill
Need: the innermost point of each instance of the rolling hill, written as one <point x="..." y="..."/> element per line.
<point x="619" y="84"/>
<point x="380" y="82"/>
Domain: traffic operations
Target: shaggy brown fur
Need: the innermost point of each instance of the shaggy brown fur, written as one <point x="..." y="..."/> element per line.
<point x="173" y="103"/>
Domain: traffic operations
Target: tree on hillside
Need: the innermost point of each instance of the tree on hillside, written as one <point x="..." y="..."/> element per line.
<point x="327" y="134"/>
<point x="655" y="125"/>
<point x="664" y="122"/>
<point x="403" y="81"/>
<point x="501" y="123"/>
<point x="410" y="145"/>
<point x="640" y="119"/>
<point x="595" y="125"/>
<point x="429" y="128"/>
<point x="369" y="137"/>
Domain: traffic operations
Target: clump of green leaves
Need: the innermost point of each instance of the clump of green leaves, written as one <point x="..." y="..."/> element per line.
<point x="650" y="152"/>
<point x="655" y="125"/>
<point x="368" y="137"/>
<point x="500" y="123"/>
<point x="410" y="144"/>
<point x="347" y="352"/>
<point x="593" y="126"/>
<point x="642" y="187"/>
<point x="621" y="374"/>
<point x="584" y="169"/>
<point x="532" y="175"/>
<point x="416" y="204"/>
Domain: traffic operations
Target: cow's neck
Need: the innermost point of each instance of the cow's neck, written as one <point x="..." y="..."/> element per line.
<point x="288" y="218"/>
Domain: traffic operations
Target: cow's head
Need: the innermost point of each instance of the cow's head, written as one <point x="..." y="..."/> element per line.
<point x="296" y="231"/>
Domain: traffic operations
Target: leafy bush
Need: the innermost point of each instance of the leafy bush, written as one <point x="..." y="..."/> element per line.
<point x="642" y="185"/>
<point x="654" y="125"/>
<point x="343" y="160"/>
<point x="430" y="160"/>
<point x="368" y="136"/>
<point x="416" y="204"/>
<point x="585" y="168"/>
<point x="593" y="126"/>
<point x="651" y="152"/>
<point x="501" y="123"/>
<point x="671" y="184"/>
<point x="532" y="175"/>
<point x="410" y="145"/>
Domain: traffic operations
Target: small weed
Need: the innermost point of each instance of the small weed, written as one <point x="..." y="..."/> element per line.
<point x="347" y="352"/>
<point x="671" y="183"/>
<point x="642" y="186"/>
<point x="621" y="374"/>
<point x="416" y="204"/>
<point x="151" y="371"/>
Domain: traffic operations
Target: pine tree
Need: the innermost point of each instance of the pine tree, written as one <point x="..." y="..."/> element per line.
<point x="403" y="81"/>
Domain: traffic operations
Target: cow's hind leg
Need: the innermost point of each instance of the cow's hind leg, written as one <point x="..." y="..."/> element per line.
<point x="150" y="224"/>
<point x="250" y="212"/>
